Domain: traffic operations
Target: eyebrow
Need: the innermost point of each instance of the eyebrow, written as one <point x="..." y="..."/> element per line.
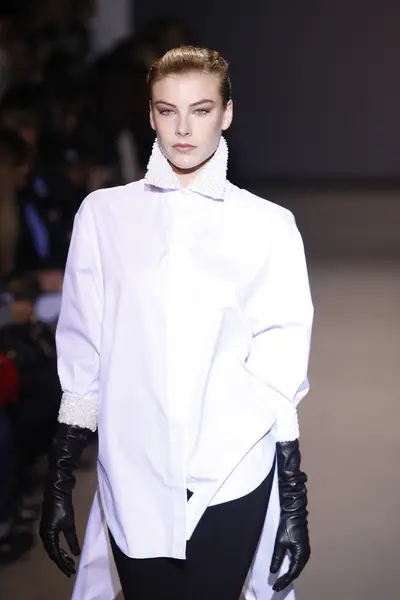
<point x="203" y="101"/>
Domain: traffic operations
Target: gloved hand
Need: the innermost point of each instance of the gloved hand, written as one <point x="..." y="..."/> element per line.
<point x="58" y="511"/>
<point x="292" y="535"/>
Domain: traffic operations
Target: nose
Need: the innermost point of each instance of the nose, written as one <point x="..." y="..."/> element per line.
<point x="183" y="127"/>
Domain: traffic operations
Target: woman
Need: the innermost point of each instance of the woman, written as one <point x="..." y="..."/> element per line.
<point x="183" y="338"/>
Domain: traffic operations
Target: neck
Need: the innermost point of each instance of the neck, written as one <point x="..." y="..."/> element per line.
<point x="187" y="176"/>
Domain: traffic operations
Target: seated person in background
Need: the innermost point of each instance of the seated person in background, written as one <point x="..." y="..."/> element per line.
<point x="4" y="305"/>
<point x="14" y="167"/>
<point x="44" y="202"/>
<point x="30" y="344"/>
<point x="50" y="277"/>
<point x="13" y="543"/>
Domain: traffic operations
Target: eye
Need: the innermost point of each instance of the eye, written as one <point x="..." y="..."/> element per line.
<point x="166" y="112"/>
<point x="202" y="111"/>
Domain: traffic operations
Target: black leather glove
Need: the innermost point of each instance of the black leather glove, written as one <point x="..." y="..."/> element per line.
<point x="292" y="535"/>
<point x="58" y="511"/>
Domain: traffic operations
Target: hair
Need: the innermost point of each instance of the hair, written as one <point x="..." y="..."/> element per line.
<point x="185" y="59"/>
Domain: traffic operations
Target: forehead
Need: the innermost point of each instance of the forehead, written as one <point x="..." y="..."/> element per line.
<point x="186" y="88"/>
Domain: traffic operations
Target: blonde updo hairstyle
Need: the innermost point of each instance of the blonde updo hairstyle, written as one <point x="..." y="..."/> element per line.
<point x="186" y="59"/>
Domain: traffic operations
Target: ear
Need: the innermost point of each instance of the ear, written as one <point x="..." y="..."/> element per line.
<point x="152" y="123"/>
<point x="228" y="116"/>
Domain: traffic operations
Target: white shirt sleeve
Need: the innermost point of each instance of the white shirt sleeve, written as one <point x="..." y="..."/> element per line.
<point x="78" y="331"/>
<point x="283" y="313"/>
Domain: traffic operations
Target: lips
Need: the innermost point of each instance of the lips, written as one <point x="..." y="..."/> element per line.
<point x="184" y="147"/>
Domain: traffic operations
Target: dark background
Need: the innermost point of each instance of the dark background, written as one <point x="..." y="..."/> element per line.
<point x="316" y="84"/>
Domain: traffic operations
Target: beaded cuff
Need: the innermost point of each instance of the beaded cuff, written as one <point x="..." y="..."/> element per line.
<point x="80" y="411"/>
<point x="287" y="422"/>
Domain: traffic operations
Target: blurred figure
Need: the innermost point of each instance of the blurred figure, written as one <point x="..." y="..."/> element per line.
<point x="9" y="383"/>
<point x="6" y="14"/>
<point x="15" y="161"/>
<point x="64" y="105"/>
<point x="13" y="542"/>
<point x="48" y="304"/>
<point x="46" y="205"/>
<point x="116" y="95"/>
<point x="30" y="344"/>
<point x="22" y="121"/>
<point x="24" y="235"/>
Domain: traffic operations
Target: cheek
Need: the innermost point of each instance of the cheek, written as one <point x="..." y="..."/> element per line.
<point x="217" y="120"/>
<point x="162" y="125"/>
<point x="210" y="128"/>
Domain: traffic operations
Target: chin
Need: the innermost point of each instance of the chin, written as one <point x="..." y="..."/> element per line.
<point x="185" y="163"/>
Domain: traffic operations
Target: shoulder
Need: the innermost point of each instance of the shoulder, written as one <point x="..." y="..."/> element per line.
<point x="258" y="211"/>
<point x="102" y="201"/>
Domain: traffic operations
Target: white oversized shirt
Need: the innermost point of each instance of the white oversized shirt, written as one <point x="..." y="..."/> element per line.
<point x="184" y="336"/>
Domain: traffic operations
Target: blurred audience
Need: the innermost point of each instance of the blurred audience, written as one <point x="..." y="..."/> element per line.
<point x="30" y="344"/>
<point x="29" y="401"/>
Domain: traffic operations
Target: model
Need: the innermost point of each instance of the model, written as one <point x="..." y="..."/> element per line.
<point x="184" y="340"/>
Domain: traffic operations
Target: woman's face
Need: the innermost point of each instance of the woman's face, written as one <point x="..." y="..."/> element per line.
<point x="188" y="117"/>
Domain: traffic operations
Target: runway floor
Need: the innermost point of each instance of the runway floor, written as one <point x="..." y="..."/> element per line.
<point x="350" y="441"/>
